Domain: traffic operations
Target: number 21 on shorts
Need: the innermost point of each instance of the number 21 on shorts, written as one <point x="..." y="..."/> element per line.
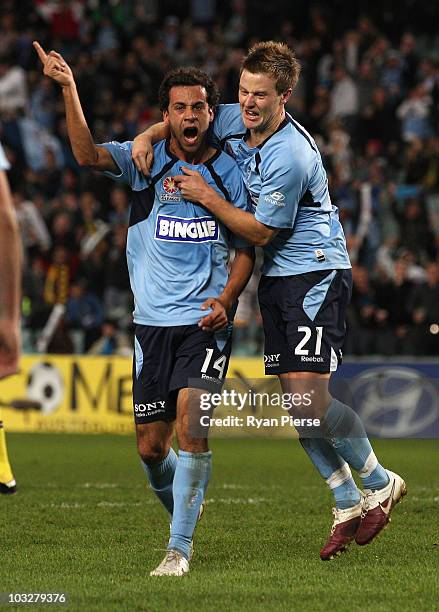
<point x="307" y="331"/>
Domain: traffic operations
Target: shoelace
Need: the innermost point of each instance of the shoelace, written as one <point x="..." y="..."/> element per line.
<point x="366" y="504"/>
<point x="172" y="556"/>
<point x="335" y="512"/>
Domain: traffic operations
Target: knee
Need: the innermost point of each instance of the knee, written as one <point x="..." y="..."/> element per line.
<point x="152" y="451"/>
<point x="192" y="445"/>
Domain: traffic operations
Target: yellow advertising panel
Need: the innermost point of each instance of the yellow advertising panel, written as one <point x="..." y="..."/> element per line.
<point x="84" y="394"/>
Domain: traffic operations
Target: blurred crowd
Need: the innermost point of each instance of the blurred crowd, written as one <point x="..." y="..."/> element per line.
<point x="368" y="93"/>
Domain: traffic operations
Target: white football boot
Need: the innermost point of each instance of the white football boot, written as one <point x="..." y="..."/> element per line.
<point x="377" y="508"/>
<point x="174" y="564"/>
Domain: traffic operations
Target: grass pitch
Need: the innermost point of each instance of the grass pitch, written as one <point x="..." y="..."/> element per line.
<point x="84" y="523"/>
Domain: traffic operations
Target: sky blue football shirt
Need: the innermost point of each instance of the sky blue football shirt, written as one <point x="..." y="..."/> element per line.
<point x="288" y="188"/>
<point x="177" y="252"/>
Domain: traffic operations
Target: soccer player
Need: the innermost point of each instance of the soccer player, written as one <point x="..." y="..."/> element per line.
<point x="306" y="278"/>
<point x="10" y="257"/>
<point x="177" y="259"/>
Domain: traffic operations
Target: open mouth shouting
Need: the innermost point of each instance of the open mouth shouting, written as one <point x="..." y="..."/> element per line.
<point x="190" y="134"/>
<point x="250" y="116"/>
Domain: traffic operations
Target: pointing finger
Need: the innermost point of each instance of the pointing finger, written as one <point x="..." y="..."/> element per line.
<point x="41" y="53"/>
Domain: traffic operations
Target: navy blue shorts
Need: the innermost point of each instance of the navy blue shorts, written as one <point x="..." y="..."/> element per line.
<point x="167" y="359"/>
<point x="304" y="320"/>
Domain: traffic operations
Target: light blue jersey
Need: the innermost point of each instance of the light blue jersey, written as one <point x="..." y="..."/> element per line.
<point x="289" y="191"/>
<point x="177" y="252"/>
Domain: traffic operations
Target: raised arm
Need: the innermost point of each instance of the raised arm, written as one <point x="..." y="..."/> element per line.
<point x="86" y="152"/>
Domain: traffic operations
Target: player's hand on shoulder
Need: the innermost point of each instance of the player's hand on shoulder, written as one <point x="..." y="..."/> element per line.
<point x="54" y="66"/>
<point x="142" y="153"/>
<point x="216" y="319"/>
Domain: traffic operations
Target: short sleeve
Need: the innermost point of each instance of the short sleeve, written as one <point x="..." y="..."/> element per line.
<point x="4" y="164"/>
<point x="121" y="154"/>
<point x="283" y="185"/>
<point x="228" y="122"/>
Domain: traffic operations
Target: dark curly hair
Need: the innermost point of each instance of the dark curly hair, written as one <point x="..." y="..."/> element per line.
<point x="187" y="77"/>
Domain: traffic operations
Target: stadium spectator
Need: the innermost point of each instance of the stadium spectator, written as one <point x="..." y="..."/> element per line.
<point x="84" y="311"/>
<point x="120" y="205"/>
<point x="111" y="342"/>
<point x="34" y="233"/>
<point x="13" y="88"/>
<point x="423" y="308"/>
<point x="117" y="293"/>
<point x="57" y="284"/>
<point x="414" y="113"/>
<point x="343" y="97"/>
<point x="392" y="299"/>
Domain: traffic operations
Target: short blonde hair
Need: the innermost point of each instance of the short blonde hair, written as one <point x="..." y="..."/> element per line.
<point x="275" y="59"/>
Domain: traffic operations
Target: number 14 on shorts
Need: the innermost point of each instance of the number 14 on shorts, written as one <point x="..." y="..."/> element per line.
<point x="219" y="364"/>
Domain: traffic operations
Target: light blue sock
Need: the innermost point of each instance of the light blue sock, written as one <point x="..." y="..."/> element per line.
<point x="347" y="436"/>
<point x="161" y="476"/>
<point x="334" y="470"/>
<point x="190" y="483"/>
<point x="373" y="475"/>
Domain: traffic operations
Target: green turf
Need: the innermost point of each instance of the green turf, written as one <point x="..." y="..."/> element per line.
<point x="85" y="524"/>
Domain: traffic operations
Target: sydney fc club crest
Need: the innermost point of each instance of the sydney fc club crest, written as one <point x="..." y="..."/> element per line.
<point x="170" y="191"/>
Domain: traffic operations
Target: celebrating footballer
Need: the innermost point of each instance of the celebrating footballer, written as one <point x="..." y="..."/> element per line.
<point x="178" y="256"/>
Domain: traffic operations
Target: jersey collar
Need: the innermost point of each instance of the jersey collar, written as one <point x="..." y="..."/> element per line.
<point x="174" y="158"/>
<point x="280" y="127"/>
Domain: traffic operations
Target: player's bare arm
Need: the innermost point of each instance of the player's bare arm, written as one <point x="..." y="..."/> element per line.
<point x="10" y="264"/>
<point x="240" y="273"/>
<point x="86" y="152"/>
<point x="193" y="187"/>
<point x="142" y="152"/>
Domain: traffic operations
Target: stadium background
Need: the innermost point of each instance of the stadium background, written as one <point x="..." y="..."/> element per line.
<point x="369" y="94"/>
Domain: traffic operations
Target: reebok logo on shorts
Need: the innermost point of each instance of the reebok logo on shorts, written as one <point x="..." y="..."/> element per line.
<point x="177" y="229"/>
<point x="312" y="359"/>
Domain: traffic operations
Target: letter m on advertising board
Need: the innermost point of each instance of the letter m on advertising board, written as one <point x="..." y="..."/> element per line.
<point x="91" y="388"/>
